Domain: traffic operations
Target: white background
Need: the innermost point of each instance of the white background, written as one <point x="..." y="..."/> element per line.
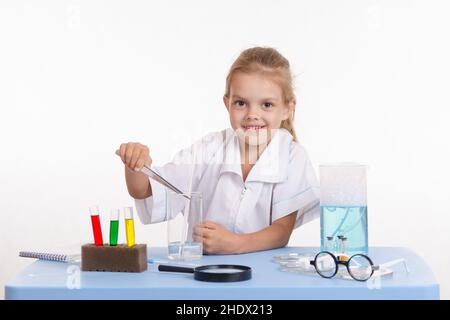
<point x="77" y="78"/>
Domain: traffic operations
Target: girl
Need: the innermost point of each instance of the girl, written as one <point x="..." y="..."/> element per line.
<point x="257" y="181"/>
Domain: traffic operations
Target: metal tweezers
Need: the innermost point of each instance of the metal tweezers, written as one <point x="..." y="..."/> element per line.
<point x="152" y="174"/>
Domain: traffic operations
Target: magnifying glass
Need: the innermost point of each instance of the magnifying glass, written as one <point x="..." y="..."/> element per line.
<point x="213" y="272"/>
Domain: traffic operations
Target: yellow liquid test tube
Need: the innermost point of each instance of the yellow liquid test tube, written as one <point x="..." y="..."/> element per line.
<point x="129" y="226"/>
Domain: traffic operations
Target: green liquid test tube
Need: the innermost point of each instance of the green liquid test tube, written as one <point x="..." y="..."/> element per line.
<point x="114" y="227"/>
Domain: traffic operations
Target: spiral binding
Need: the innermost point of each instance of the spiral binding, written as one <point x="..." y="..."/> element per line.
<point x="46" y="256"/>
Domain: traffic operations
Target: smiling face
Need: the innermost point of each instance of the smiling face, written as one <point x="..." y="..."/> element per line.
<point x="256" y="107"/>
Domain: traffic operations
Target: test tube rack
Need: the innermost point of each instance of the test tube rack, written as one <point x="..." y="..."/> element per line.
<point x="120" y="258"/>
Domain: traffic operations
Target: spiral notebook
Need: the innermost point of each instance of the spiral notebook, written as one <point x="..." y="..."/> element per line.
<point x="65" y="254"/>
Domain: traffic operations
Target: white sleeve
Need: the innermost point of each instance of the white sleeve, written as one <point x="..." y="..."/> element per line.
<point x="300" y="192"/>
<point x="177" y="172"/>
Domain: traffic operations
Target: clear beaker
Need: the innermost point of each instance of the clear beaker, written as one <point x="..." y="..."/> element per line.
<point x="184" y="212"/>
<point x="343" y="204"/>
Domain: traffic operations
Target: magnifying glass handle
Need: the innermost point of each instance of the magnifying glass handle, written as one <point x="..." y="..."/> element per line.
<point x="168" y="268"/>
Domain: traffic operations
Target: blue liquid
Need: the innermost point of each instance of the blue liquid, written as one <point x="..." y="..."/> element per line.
<point x="350" y="222"/>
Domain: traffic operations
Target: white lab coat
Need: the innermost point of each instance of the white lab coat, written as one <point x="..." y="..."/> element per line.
<point x="282" y="179"/>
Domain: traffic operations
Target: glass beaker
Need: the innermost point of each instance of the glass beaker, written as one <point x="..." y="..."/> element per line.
<point x="343" y="207"/>
<point x="185" y="211"/>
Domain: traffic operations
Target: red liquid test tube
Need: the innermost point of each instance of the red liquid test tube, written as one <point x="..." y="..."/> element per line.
<point x="96" y="227"/>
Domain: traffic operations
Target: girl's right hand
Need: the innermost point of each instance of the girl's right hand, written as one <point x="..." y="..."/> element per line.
<point x="134" y="155"/>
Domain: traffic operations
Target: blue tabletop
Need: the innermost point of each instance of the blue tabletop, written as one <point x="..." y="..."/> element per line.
<point x="56" y="280"/>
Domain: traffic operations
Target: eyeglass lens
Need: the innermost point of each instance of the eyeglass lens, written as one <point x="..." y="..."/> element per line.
<point x="325" y="265"/>
<point x="360" y="267"/>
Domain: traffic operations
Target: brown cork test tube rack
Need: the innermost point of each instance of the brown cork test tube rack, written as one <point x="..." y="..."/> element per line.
<point x="120" y="258"/>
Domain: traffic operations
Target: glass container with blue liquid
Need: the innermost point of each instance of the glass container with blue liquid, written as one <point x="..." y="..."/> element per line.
<point x="343" y="208"/>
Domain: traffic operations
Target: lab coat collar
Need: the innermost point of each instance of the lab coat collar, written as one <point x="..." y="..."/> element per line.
<point x="271" y="166"/>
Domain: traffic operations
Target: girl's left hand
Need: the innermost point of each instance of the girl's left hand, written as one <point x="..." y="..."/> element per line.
<point x="216" y="238"/>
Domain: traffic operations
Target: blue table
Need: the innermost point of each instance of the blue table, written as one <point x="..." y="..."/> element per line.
<point x="56" y="280"/>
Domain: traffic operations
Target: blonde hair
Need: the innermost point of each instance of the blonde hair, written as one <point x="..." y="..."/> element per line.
<point x="267" y="61"/>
